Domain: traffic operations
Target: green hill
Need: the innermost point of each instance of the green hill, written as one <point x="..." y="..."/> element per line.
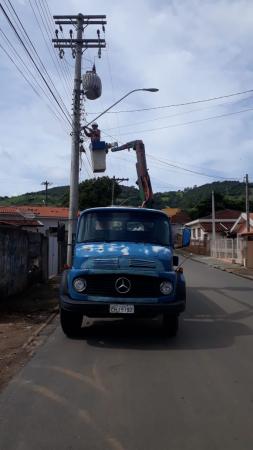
<point x="196" y="200"/>
<point x="55" y="197"/>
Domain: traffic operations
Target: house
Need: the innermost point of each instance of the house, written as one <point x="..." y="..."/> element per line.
<point x="16" y="219"/>
<point x="240" y="226"/>
<point x="178" y="218"/>
<point x="201" y="229"/>
<point x="41" y="219"/>
<point x="49" y="216"/>
<point x="239" y="230"/>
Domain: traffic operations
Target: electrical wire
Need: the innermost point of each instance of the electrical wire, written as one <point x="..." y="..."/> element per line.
<point x="25" y="35"/>
<point x="50" y="23"/>
<point x="183" y="113"/>
<point x="30" y="84"/>
<point x="34" y="62"/>
<point x="164" y="162"/>
<point x="175" y="105"/>
<point x="49" y="48"/>
<point x="28" y="41"/>
<point x="26" y="69"/>
<point x="189" y="170"/>
<point x="191" y="122"/>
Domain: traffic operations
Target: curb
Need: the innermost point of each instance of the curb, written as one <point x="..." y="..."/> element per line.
<point x="224" y="269"/>
<point x="41" y="328"/>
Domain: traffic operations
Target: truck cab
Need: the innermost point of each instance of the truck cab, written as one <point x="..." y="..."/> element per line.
<point x="123" y="266"/>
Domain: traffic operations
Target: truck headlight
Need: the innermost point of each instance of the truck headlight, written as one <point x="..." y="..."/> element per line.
<point x="166" y="287"/>
<point x="79" y="284"/>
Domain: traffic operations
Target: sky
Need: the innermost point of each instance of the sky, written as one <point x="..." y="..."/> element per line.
<point x="189" y="49"/>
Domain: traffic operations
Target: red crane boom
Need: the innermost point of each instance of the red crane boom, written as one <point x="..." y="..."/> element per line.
<point x="143" y="181"/>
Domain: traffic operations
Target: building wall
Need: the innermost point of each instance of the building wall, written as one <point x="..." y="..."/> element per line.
<point x="51" y="223"/>
<point x="23" y="259"/>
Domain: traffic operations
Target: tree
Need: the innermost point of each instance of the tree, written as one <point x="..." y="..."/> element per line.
<point x="95" y="192"/>
<point x="204" y="208"/>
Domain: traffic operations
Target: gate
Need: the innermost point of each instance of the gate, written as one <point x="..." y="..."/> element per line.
<point x="230" y="249"/>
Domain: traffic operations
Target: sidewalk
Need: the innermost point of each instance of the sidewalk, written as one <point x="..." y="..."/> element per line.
<point x="222" y="264"/>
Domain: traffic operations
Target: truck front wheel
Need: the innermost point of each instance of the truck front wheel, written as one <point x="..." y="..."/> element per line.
<point x="71" y="323"/>
<point x="170" y="325"/>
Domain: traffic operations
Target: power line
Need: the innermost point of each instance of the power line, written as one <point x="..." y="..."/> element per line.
<point x="164" y="162"/>
<point x="191" y="122"/>
<point x="30" y="84"/>
<point x="30" y="43"/>
<point x="32" y="59"/>
<point x="189" y="170"/>
<point x="173" y="115"/>
<point x="49" y="48"/>
<point x="174" y="105"/>
<point x="50" y="26"/>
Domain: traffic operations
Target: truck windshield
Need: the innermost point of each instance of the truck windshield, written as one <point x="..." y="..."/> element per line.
<point x="139" y="226"/>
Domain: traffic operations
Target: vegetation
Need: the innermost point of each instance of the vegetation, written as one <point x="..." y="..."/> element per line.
<point x="95" y="192"/>
<point x="98" y="191"/>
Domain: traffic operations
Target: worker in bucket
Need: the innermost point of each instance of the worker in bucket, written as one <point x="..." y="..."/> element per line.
<point x="93" y="133"/>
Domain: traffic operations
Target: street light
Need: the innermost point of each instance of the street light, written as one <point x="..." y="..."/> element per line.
<point x="74" y="180"/>
<point x="122" y="98"/>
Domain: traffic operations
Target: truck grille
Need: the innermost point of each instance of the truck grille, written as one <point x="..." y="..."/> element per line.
<point x="143" y="263"/>
<point x="106" y="263"/>
<point x="141" y="286"/>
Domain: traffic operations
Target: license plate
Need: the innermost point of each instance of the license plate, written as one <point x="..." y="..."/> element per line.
<point x="121" y="309"/>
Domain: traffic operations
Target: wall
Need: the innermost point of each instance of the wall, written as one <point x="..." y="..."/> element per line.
<point x="249" y="257"/>
<point x="199" y="247"/>
<point x="23" y="259"/>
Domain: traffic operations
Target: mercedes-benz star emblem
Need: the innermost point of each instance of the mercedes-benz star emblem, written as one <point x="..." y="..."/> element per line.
<point x="122" y="285"/>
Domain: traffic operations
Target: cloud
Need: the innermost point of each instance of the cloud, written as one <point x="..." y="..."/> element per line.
<point x="189" y="50"/>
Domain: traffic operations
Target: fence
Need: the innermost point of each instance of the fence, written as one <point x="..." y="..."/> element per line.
<point x="230" y="249"/>
<point x="23" y="259"/>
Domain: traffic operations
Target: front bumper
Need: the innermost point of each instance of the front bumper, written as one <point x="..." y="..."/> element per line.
<point x="102" y="309"/>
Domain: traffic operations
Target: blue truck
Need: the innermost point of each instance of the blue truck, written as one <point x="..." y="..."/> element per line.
<point x="123" y="266"/>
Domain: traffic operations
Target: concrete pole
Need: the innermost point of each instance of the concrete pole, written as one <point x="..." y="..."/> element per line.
<point x="213" y="223"/>
<point x="113" y="185"/>
<point x="74" y="172"/>
<point x="247" y="202"/>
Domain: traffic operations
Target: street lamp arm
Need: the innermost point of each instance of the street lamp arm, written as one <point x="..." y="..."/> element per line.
<point x="118" y="101"/>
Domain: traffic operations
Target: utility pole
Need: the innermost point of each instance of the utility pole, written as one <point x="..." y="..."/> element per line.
<point x="247" y="202"/>
<point x="113" y="186"/>
<point x="213" y="225"/>
<point x="46" y="184"/>
<point x="78" y="45"/>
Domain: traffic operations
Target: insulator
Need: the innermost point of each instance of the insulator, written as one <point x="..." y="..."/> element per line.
<point x="99" y="52"/>
<point x="71" y="33"/>
<point x="61" y="28"/>
<point x="98" y="33"/>
<point x="61" y="53"/>
<point x="73" y="53"/>
<point x="103" y="28"/>
<point x="56" y="33"/>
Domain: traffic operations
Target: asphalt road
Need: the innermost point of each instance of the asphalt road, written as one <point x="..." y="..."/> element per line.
<point x="124" y="386"/>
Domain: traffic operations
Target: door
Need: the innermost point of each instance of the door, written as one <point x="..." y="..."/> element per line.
<point x="53" y="256"/>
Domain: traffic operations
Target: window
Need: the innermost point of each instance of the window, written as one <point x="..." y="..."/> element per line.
<point x="126" y="226"/>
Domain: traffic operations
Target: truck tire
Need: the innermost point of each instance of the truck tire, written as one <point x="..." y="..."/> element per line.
<point x="71" y="323"/>
<point x="170" y="325"/>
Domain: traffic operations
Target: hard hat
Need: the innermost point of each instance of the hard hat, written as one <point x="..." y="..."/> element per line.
<point x="94" y="124"/>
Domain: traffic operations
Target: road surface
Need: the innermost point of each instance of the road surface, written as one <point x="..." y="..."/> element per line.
<point x="124" y="386"/>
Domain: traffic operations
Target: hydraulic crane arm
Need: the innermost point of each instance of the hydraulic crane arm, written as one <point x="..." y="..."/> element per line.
<point x="143" y="181"/>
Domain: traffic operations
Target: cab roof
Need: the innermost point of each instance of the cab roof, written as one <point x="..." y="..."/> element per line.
<point x="124" y="209"/>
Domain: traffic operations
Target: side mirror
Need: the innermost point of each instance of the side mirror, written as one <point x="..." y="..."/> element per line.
<point x="186" y="237"/>
<point x="73" y="243"/>
<point x="175" y="260"/>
